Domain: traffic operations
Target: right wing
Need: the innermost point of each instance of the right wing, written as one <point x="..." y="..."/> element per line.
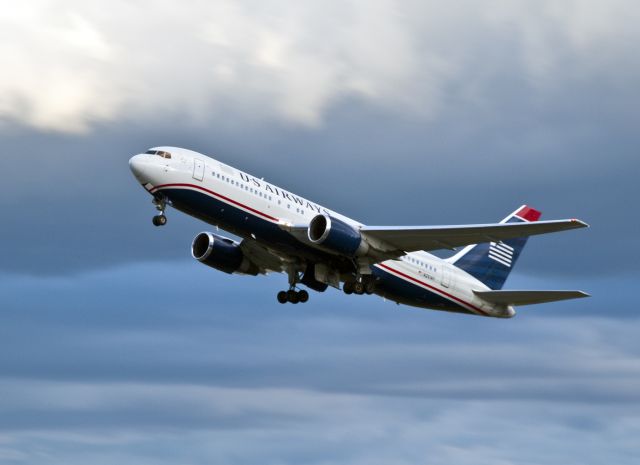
<point x="400" y="239"/>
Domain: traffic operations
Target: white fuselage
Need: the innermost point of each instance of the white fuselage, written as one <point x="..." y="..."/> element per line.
<point x="252" y="199"/>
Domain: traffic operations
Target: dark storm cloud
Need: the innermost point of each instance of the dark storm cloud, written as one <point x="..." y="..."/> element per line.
<point x="503" y="135"/>
<point x="73" y="200"/>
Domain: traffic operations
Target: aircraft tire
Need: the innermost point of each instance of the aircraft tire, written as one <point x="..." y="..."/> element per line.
<point x="303" y="296"/>
<point x="282" y="297"/>
<point x="370" y="287"/>
<point x="358" y="288"/>
<point x="159" y="220"/>
<point x="292" y="296"/>
<point x="347" y="288"/>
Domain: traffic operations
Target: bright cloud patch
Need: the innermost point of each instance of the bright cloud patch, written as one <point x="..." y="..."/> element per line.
<point x="70" y="64"/>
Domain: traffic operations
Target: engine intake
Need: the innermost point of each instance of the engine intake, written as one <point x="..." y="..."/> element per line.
<point x="222" y="254"/>
<point x="337" y="236"/>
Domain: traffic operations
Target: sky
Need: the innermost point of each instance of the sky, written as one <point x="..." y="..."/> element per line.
<point x="116" y="346"/>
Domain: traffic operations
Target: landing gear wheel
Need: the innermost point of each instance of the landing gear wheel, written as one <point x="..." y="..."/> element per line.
<point x="161" y="205"/>
<point x="347" y="288"/>
<point x="358" y="287"/>
<point x="159" y="220"/>
<point x="303" y="296"/>
<point x="370" y="287"/>
<point x="282" y="297"/>
<point x="292" y="296"/>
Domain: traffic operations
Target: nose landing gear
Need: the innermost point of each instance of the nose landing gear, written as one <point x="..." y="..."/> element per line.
<point x="159" y="220"/>
<point x="161" y="205"/>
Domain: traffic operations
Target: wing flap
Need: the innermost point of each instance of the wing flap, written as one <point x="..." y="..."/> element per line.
<point x="411" y="238"/>
<point x="528" y="297"/>
<point x="263" y="258"/>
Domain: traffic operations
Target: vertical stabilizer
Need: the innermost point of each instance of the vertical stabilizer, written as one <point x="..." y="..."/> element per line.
<point x="491" y="262"/>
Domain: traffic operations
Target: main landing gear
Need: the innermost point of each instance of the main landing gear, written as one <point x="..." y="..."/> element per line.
<point x="161" y="205"/>
<point x="365" y="285"/>
<point x="292" y="295"/>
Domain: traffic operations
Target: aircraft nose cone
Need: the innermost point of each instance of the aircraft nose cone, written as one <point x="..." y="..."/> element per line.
<point x="137" y="165"/>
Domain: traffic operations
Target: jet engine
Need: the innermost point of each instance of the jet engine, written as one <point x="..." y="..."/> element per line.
<point x="222" y="254"/>
<point x="336" y="236"/>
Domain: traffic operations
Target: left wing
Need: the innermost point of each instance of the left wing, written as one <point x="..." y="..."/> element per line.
<point x="262" y="257"/>
<point x="411" y="238"/>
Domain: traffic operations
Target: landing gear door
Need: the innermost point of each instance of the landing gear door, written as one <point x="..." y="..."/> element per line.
<point x="198" y="169"/>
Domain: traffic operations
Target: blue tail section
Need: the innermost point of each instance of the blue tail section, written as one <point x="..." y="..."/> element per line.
<point x="491" y="262"/>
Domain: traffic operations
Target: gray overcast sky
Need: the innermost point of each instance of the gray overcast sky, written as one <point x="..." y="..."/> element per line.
<point x="116" y="346"/>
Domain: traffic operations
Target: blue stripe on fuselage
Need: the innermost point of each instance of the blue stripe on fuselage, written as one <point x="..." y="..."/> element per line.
<point x="242" y="223"/>
<point x="398" y="289"/>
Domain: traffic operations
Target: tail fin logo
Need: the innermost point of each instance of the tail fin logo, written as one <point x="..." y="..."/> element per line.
<point x="501" y="253"/>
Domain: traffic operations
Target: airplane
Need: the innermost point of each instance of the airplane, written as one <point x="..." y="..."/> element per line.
<point x="319" y="248"/>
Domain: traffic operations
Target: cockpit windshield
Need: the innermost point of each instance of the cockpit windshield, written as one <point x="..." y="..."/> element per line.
<point x="161" y="153"/>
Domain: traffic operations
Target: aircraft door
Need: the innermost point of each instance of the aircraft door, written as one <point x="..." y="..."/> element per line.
<point x="198" y="169"/>
<point x="446" y="276"/>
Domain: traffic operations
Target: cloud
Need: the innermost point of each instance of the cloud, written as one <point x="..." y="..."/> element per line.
<point x="70" y="66"/>
<point x="116" y="348"/>
<point x="312" y="427"/>
<point x="57" y="69"/>
<point x="133" y="61"/>
<point x="211" y="363"/>
<point x="469" y="110"/>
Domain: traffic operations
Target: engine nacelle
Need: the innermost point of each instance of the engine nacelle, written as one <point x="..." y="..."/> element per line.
<point x="337" y="236"/>
<point x="222" y="254"/>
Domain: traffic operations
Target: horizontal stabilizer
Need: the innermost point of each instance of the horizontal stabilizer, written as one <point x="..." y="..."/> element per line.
<point x="527" y="297"/>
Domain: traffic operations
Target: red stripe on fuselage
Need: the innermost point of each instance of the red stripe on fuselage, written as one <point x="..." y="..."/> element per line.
<point x="226" y="199"/>
<point x="439" y="291"/>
